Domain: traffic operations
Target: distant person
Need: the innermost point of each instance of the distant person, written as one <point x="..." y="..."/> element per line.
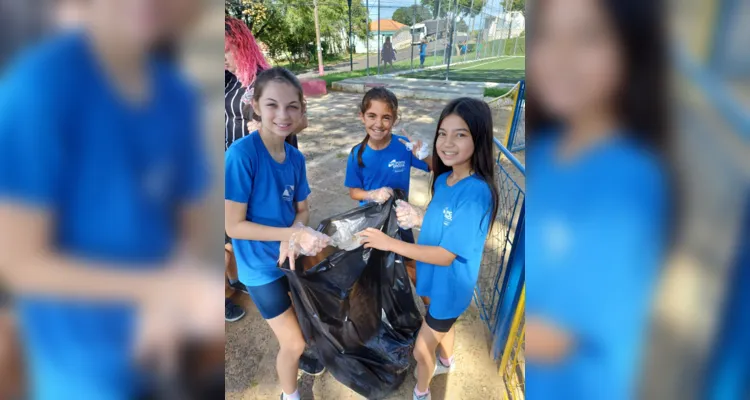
<point x="388" y="53"/>
<point x="464" y="48"/>
<point x="422" y="52"/>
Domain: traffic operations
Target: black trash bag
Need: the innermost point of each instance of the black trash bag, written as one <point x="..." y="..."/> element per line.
<point x="356" y="308"/>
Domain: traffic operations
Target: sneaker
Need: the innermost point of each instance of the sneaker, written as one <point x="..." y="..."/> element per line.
<point x="311" y="365"/>
<point x="426" y="396"/>
<point x="440" y="368"/>
<point x="239" y="286"/>
<point x="232" y="312"/>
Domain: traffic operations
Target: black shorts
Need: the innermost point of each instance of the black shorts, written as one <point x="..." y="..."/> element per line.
<point x="439" y="325"/>
<point x="227" y="239"/>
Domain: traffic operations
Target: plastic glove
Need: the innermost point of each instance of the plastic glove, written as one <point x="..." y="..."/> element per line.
<point x="407" y="215"/>
<point x="379" y="196"/>
<point x="422" y="152"/>
<point x="305" y="241"/>
<point x="422" y="148"/>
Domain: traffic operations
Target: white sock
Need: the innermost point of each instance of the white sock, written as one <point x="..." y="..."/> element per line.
<point x="293" y="396"/>
<point x="446" y="362"/>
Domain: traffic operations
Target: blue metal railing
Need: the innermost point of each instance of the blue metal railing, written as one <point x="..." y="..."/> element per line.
<point x="501" y="275"/>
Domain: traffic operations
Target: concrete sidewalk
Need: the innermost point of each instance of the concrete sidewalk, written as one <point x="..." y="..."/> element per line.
<point x="417" y="88"/>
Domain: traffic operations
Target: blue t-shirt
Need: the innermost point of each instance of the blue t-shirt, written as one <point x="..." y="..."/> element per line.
<point x="423" y="49"/>
<point x="270" y="190"/>
<point x="595" y="237"/>
<point x="457" y="219"/>
<point x="112" y="175"/>
<point x="388" y="167"/>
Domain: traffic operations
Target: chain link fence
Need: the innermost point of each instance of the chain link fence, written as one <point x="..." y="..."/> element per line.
<point x="470" y="41"/>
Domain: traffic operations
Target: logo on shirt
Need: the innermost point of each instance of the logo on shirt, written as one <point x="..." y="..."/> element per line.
<point x="288" y="194"/>
<point x="447" y="216"/>
<point x="557" y="238"/>
<point x="398" y="166"/>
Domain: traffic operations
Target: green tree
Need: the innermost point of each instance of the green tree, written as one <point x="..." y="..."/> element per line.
<point x="519" y="5"/>
<point x="405" y="15"/>
<point x="462" y="26"/>
<point x="458" y="7"/>
<point x="287" y="27"/>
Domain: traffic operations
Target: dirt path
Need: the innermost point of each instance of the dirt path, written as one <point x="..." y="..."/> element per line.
<point x="251" y="347"/>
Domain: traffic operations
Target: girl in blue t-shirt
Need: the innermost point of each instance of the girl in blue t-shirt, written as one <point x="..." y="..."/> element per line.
<point x="266" y="212"/>
<point x="454" y="229"/>
<point x="380" y="164"/>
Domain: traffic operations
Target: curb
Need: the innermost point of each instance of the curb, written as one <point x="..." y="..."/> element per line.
<point x="360" y="87"/>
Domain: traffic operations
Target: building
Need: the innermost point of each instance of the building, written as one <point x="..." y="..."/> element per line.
<point x="388" y="28"/>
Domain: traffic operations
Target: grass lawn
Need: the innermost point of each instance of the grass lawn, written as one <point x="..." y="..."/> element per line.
<point x="502" y="70"/>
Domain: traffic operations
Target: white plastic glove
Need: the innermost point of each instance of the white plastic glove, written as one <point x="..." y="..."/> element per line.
<point x="407" y="215"/>
<point x="422" y="151"/>
<point x="422" y="148"/>
<point x="305" y="241"/>
<point x="379" y="196"/>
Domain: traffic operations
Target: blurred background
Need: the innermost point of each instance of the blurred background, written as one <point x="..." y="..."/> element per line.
<point x="697" y="349"/>
<point x="196" y="42"/>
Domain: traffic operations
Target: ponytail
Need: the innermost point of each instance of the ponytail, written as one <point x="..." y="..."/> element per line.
<point x="362" y="150"/>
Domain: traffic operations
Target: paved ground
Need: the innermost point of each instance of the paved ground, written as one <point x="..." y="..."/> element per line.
<point x="251" y="348"/>
<point x="414" y="88"/>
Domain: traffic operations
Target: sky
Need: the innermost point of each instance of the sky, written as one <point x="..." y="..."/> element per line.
<point x="388" y="7"/>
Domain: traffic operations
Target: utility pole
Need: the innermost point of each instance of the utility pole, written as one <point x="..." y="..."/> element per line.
<point x="317" y="39"/>
<point x="367" y="36"/>
<point x="411" y="31"/>
<point x="378" y="37"/>
<point x="437" y="35"/>
<point x="450" y="44"/>
<point x="351" y="45"/>
<point x="468" y="34"/>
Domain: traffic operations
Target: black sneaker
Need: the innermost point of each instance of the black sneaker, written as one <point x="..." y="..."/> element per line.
<point x="239" y="286"/>
<point x="232" y="312"/>
<point x="311" y="365"/>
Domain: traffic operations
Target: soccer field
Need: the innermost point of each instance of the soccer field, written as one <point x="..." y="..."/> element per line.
<point x="500" y="70"/>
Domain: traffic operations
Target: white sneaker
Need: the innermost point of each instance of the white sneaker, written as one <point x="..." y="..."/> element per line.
<point x="427" y="396"/>
<point x="439" y="368"/>
<point x="442" y="369"/>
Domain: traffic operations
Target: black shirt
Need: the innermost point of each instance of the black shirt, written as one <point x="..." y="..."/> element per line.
<point x="235" y="120"/>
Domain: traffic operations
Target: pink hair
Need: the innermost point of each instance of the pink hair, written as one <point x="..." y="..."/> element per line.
<point x="247" y="54"/>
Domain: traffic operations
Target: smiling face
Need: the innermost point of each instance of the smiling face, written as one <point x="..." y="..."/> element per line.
<point x="454" y="143"/>
<point x="576" y="59"/>
<point x="280" y="108"/>
<point x="378" y="120"/>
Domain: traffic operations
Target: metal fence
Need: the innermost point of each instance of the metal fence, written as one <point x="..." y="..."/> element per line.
<point x="453" y="37"/>
<point x="514" y="138"/>
<point x="501" y="277"/>
<point x="513" y="364"/>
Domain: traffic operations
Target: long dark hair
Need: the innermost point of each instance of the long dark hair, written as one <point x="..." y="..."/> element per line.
<point x="375" y="94"/>
<point x="478" y="117"/>
<point x="642" y="100"/>
<point x="278" y="74"/>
